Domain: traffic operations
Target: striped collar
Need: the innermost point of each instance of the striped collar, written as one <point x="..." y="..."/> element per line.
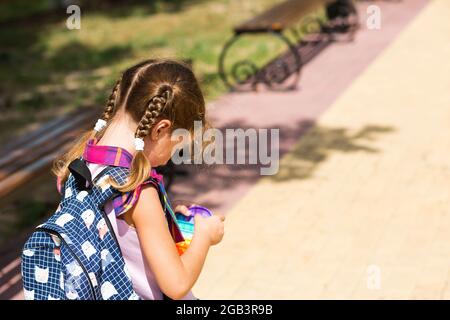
<point x="111" y="156"/>
<point x="107" y="155"/>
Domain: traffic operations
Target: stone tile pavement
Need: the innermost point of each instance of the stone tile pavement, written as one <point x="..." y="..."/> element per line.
<point x="360" y="207"/>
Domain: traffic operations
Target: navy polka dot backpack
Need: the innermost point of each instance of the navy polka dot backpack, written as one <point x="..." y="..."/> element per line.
<point x="75" y="254"/>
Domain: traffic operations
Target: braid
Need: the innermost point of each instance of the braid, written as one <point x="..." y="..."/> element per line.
<point x="111" y="104"/>
<point x="154" y="109"/>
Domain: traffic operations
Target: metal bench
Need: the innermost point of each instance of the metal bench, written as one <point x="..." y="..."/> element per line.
<point x="283" y="72"/>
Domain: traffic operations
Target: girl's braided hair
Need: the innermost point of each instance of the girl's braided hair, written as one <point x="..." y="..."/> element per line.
<point x="150" y="91"/>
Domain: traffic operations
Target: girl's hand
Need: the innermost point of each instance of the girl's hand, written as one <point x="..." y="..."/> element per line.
<point x="175" y="274"/>
<point x="183" y="207"/>
<point x="212" y="228"/>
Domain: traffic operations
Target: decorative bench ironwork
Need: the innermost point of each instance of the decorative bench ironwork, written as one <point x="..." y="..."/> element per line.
<point x="283" y="72"/>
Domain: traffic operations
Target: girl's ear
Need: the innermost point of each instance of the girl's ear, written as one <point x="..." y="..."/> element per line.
<point x="161" y="128"/>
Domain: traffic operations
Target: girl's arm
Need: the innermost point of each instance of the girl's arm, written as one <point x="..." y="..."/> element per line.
<point x="175" y="275"/>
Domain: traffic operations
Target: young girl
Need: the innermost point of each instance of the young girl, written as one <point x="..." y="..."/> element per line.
<point x="150" y="100"/>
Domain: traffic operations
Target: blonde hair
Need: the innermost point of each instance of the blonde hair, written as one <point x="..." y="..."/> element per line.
<point x="150" y="91"/>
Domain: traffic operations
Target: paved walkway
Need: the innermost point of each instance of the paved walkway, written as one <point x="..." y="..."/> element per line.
<point x="359" y="208"/>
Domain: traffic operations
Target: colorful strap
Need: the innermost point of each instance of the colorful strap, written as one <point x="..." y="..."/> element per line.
<point x="173" y="224"/>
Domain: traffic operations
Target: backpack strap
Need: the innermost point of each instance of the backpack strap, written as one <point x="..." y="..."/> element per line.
<point x="81" y="173"/>
<point x="100" y="183"/>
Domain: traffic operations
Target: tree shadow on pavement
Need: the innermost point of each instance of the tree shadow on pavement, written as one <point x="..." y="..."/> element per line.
<point x="320" y="142"/>
<point x="307" y="145"/>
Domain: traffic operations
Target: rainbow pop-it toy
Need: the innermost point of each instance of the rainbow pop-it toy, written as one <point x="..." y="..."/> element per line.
<point x="186" y="224"/>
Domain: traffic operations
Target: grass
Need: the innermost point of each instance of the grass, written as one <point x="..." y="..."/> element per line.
<point x="17" y="9"/>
